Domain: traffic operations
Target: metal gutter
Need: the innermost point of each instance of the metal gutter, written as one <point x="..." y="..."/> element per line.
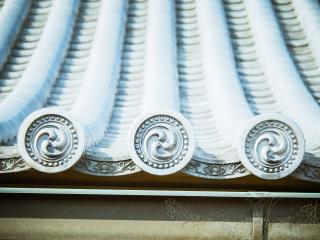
<point x="161" y="193"/>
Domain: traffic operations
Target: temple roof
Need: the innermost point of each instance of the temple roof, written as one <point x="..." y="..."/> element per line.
<point x="213" y="89"/>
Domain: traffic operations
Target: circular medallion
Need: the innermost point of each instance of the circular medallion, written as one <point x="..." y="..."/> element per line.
<point x="161" y="143"/>
<point x="271" y="146"/>
<point x="51" y="140"/>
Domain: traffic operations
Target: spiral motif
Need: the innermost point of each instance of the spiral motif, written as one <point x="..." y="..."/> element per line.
<point x="52" y="142"/>
<point x="271" y="147"/>
<point x="161" y="142"/>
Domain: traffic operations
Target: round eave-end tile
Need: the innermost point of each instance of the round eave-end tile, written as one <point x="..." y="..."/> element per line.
<point x="161" y="142"/>
<point x="271" y="146"/>
<point x="50" y="140"/>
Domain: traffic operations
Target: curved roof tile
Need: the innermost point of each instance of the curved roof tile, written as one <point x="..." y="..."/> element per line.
<point x="147" y="79"/>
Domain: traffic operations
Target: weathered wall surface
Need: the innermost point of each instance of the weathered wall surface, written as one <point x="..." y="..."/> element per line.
<point x="80" y="217"/>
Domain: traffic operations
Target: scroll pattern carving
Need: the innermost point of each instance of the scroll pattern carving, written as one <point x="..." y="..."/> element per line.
<point x="106" y="168"/>
<point x="12" y="164"/>
<point x="216" y="171"/>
